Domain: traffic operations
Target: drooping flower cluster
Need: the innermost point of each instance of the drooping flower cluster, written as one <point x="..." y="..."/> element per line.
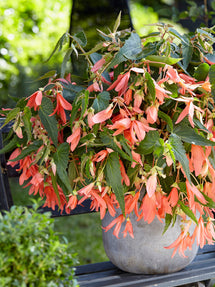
<point x="139" y="137"/>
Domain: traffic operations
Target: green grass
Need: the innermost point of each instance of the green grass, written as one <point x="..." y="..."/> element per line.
<point x="84" y="231"/>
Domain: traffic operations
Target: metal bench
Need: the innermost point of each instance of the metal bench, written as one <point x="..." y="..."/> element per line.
<point x="202" y="269"/>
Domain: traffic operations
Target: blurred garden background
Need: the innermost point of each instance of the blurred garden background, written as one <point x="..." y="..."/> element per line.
<point x="29" y="31"/>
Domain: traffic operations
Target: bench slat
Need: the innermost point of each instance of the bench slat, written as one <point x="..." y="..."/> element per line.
<point x="106" y="274"/>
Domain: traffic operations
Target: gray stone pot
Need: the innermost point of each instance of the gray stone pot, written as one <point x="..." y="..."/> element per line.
<point x="145" y="254"/>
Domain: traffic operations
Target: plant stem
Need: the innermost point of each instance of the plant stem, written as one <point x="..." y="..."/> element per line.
<point x="206" y="12"/>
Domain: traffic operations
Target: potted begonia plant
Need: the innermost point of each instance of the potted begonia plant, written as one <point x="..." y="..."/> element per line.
<point x="137" y="137"/>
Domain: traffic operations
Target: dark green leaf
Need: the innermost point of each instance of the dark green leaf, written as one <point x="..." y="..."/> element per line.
<point x="80" y="38"/>
<point x="28" y="150"/>
<point x="27" y="123"/>
<point x="108" y="141"/>
<point x="180" y="153"/>
<point x="147" y="145"/>
<point x="130" y="50"/>
<point x="10" y="146"/>
<point x="212" y="80"/>
<point x="187" y="52"/>
<point x="54" y="184"/>
<point x="113" y="176"/>
<point x="182" y="38"/>
<point x="188" y="211"/>
<point x="72" y="173"/>
<point x="50" y="123"/>
<point x="65" y="60"/>
<point x="188" y="135"/>
<point x="70" y="91"/>
<point x="150" y="85"/>
<point x="167" y="119"/>
<point x="117" y="23"/>
<point x="47" y="75"/>
<point x="101" y="101"/>
<point x="59" y="44"/>
<point x="84" y="103"/>
<point x="49" y="87"/>
<point x="11" y="116"/>
<point x="168" y="221"/>
<point x="61" y="158"/>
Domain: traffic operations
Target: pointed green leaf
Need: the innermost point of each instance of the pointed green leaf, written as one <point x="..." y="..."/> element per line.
<point x="187" y="52"/>
<point x="188" y="135"/>
<point x="147" y="145"/>
<point x="168" y="221"/>
<point x="166" y="118"/>
<point x="28" y="150"/>
<point x="182" y="38"/>
<point x="61" y="158"/>
<point x="12" y="144"/>
<point x="201" y="72"/>
<point x="27" y="123"/>
<point x="10" y="116"/>
<point x="59" y="44"/>
<point x="108" y="141"/>
<point x="54" y="184"/>
<point x="130" y="50"/>
<point x="117" y="23"/>
<point x="80" y="38"/>
<point x="84" y="103"/>
<point x="160" y="61"/>
<point x="188" y="211"/>
<point x="101" y="101"/>
<point x="72" y="173"/>
<point x="47" y="75"/>
<point x="50" y="123"/>
<point x="212" y="80"/>
<point x="180" y="153"/>
<point x="113" y="176"/>
<point x="150" y="85"/>
<point x="65" y="60"/>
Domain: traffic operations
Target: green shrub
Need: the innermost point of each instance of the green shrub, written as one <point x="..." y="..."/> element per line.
<point x="31" y="255"/>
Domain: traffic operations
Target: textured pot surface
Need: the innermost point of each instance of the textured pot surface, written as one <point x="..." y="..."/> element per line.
<point x="145" y="254"/>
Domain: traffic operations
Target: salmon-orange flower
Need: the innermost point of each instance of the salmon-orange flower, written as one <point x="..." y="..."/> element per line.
<point x="128" y="228"/>
<point x="151" y="184"/>
<point x="35" y="100"/>
<point x="61" y="106"/>
<point x="103" y="115"/>
<point x="73" y="140"/>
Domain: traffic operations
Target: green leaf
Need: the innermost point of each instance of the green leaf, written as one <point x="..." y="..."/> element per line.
<point x="49" y="87"/>
<point x="47" y="75"/>
<point x="117" y="23"/>
<point x="212" y="80"/>
<point x="101" y="101"/>
<point x="188" y="211"/>
<point x="188" y="135"/>
<point x="166" y="118"/>
<point x="206" y="34"/>
<point x="150" y="85"/>
<point x="27" y="123"/>
<point x="65" y="60"/>
<point x="11" y="116"/>
<point x="187" y="52"/>
<point x="183" y="38"/>
<point x="147" y="145"/>
<point x="113" y="176"/>
<point x="12" y="144"/>
<point x="28" y="150"/>
<point x="108" y="141"/>
<point x="180" y="153"/>
<point x="94" y="49"/>
<point x="160" y="61"/>
<point x="59" y="45"/>
<point x="84" y="103"/>
<point x="71" y="91"/>
<point x="168" y="221"/>
<point x="61" y="158"/>
<point x="54" y="184"/>
<point x="130" y="50"/>
<point x="201" y="72"/>
<point x="80" y="38"/>
<point x="50" y="123"/>
<point x="72" y="173"/>
<point x="75" y="108"/>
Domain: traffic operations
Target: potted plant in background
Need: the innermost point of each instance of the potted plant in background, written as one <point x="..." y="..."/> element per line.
<point x="137" y="138"/>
